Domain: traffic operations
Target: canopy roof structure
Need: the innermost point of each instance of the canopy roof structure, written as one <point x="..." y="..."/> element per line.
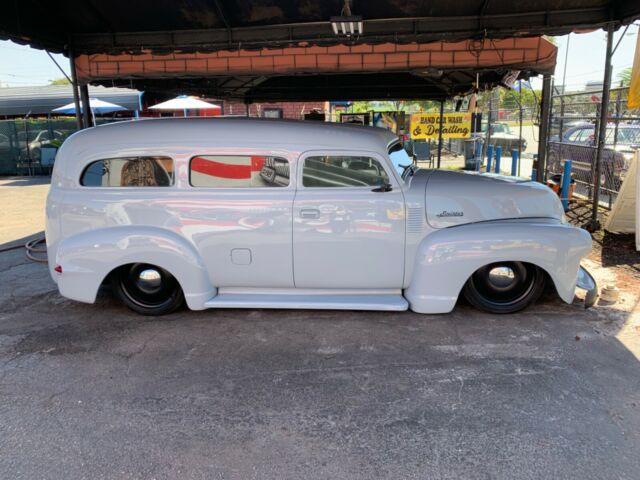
<point x="96" y="106"/>
<point x="433" y="70"/>
<point x="121" y="26"/>
<point x="203" y="46"/>
<point x="40" y="100"/>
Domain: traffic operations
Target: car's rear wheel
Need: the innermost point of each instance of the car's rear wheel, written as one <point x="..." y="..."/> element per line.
<point x="147" y="289"/>
<point x="504" y="287"/>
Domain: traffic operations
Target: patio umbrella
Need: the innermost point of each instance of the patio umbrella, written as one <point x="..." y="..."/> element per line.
<point x="184" y="103"/>
<point x="96" y="105"/>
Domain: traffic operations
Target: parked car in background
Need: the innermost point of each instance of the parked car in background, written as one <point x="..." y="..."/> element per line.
<point x="577" y="144"/>
<point x="501" y="135"/>
<point x="37" y="140"/>
<point x="296" y="215"/>
<point x="5" y="144"/>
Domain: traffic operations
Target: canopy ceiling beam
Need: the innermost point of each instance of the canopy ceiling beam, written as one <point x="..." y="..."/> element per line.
<point x="402" y="30"/>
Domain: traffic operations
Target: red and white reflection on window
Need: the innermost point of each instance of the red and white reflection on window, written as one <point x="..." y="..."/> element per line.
<point x="239" y="171"/>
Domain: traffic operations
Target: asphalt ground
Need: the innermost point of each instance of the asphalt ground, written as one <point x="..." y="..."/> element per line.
<point x="98" y="392"/>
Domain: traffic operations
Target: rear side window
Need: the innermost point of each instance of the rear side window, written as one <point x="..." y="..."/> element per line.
<point x="129" y="172"/>
<point x="238" y="171"/>
<point x="343" y="171"/>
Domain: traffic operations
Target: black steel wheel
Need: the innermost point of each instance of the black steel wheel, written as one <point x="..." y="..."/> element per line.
<point x="504" y="287"/>
<point x="147" y="289"/>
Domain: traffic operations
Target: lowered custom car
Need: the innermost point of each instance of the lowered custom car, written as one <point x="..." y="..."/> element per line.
<point x="245" y="213"/>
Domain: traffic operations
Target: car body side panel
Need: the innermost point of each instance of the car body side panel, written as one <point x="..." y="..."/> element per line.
<point x="88" y="257"/>
<point x="448" y="257"/>
<point x="355" y="238"/>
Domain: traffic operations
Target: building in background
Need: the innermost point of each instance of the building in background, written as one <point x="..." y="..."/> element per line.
<point x="39" y="101"/>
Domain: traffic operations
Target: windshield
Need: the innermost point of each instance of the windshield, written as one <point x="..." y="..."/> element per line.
<point x="497" y="128"/>
<point x="399" y="158"/>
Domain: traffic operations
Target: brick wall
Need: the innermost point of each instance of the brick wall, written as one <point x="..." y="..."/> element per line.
<point x="292" y="110"/>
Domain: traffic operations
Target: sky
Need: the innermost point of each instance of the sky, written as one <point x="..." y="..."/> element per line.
<point x="23" y="66"/>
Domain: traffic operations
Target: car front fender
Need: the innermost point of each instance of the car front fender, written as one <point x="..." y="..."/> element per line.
<point x="446" y="258"/>
<point x="88" y="257"/>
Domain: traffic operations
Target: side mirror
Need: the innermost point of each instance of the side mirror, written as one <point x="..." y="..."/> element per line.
<point x="384" y="187"/>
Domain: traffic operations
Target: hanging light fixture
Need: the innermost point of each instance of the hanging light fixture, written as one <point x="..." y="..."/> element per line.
<point x="347" y="24"/>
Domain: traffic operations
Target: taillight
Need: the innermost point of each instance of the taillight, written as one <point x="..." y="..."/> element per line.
<point x="58" y="268"/>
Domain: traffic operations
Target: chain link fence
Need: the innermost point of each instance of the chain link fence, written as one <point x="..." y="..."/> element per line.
<point x="22" y="143"/>
<point x="574" y="129"/>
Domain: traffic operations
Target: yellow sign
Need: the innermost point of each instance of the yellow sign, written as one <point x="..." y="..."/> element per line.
<point x="427" y="125"/>
<point x="633" y="100"/>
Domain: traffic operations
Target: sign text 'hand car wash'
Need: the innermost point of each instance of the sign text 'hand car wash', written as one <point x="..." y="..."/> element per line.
<point x="427" y="125"/>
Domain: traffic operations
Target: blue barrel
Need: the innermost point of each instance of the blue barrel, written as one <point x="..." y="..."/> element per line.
<point x="514" y="162"/>
<point x="566" y="184"/>
<point x="498" y="158"/>
<point x="489" y="157"/>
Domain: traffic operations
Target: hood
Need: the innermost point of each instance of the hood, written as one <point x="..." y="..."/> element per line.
<point x="457" y="198"/>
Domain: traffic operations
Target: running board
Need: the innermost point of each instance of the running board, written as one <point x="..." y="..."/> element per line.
<point x="395" y="303"/>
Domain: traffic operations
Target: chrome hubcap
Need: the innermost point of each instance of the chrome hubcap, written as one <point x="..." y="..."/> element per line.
<point x="149" y="280"/>
<point x="501" y="277"/>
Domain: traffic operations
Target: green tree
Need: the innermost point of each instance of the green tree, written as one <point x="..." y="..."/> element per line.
<point x="625" y="77"/>
<point x="510" y="99"/>
<point x="408" y="106"/>
<point x="59" y="81"/>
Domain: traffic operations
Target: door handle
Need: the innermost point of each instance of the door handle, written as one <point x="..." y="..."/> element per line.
<point x="309" y="213"/>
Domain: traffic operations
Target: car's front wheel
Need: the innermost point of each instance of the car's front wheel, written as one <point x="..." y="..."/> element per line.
<point x="147" y="289"/>
<point x="504" y="287"/>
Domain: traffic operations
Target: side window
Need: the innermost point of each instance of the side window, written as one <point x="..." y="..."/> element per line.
<point x="235" y="171"/>
<point x="343" y="171"/>
<point x="129" y="172"/>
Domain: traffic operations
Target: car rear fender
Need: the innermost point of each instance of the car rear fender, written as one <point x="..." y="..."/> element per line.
<point x="88" y="257"/>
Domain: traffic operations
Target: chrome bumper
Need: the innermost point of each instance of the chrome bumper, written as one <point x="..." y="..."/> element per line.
<point x="587" y="283"/>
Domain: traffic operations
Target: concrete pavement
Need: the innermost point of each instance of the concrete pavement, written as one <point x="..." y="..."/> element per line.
<point x="97" y="392"/>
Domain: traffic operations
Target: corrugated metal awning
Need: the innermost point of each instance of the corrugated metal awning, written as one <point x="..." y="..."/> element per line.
<point x="41" y="100"/>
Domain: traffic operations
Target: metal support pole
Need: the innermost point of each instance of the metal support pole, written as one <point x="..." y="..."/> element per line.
<point x="440" y="132"/>
<point x="602" y="132"/>
<point x="545" y="110"/>
<point x="489" y="123"/>
<point x="520" y="128"/>
<point x="74" y="86"/>
<point x="515" y="165"/>
<point x="86" y="106"/>
<point x="566" y="185"/>
<point x="498" y="158"/>
<point x="564" y="88"/>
